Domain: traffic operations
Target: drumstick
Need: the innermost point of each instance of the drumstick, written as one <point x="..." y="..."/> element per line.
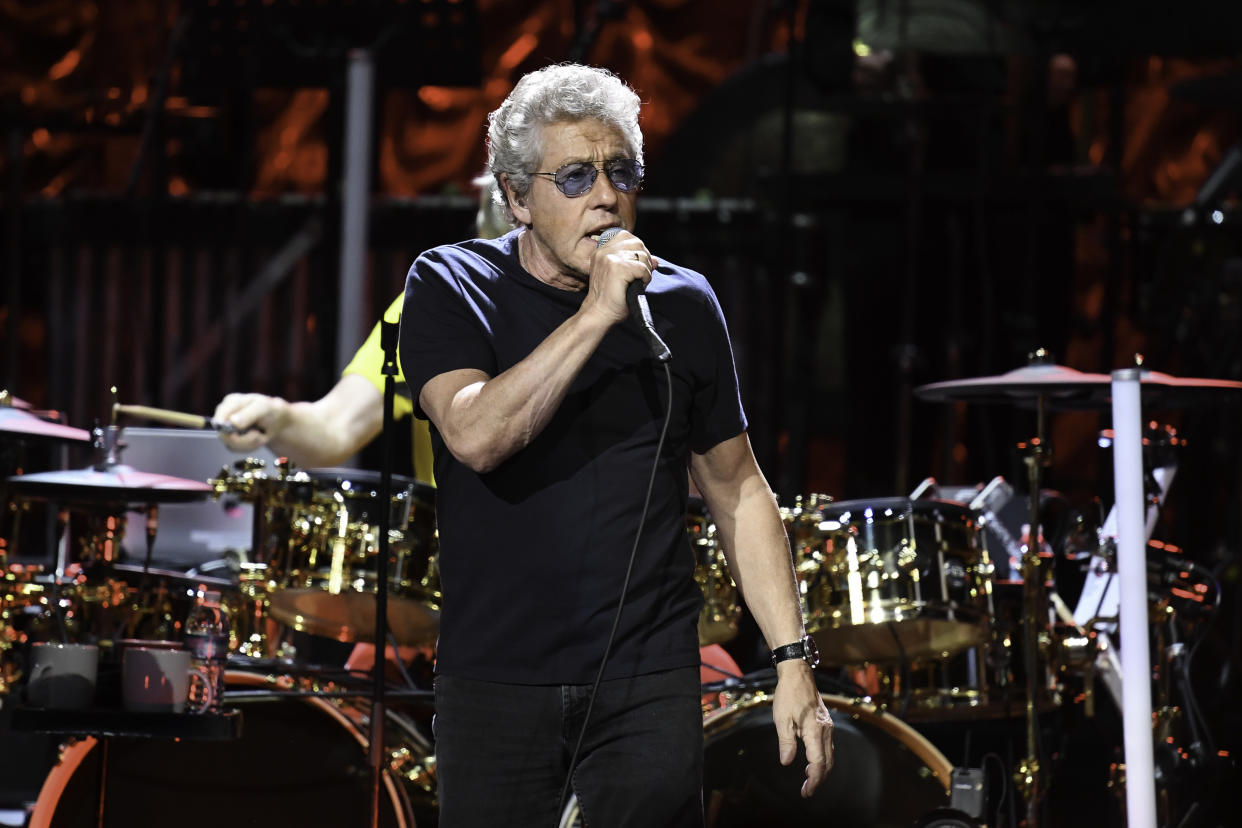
<point x="178" y="418"/>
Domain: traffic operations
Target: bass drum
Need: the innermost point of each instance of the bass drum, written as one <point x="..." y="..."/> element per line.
<point x="886" y="775"/>
<point x="300" y="761"/>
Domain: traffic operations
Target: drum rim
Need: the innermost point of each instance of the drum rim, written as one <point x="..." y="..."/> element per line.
<point x="916" y="742"/>
<point x="921" y="611"/>
<point x="70" y="757"/>
<point x="901" y="506"/>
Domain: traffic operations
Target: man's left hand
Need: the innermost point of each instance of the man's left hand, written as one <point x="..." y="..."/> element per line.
<point x="799" y="713"/>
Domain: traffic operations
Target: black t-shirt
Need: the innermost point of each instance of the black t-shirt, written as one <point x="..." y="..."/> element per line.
<point x="533" y="554"/>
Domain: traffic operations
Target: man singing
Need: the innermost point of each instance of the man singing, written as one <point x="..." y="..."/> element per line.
<point x="561" y="452"/>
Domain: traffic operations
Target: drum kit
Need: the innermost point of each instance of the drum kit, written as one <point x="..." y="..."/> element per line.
<point x="309" y="574"/>
<point x="907" y="596"/>
<point x="944" y="612"/>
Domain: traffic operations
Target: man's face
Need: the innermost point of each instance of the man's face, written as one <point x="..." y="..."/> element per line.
<point x="562" y="227"/>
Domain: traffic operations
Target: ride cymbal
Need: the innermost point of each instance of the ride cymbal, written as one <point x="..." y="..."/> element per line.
<point x="1063" y="387"/>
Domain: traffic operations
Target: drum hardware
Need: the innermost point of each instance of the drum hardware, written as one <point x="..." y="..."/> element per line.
<point x="311" y="747"/>
<point x="316" y="541"/>
<point x="87" y="596"/>
<point x="252" y="629"/>
<point x="744" y="785"/>
<point x="20" y="422"/>
<point x="894" y="775"/>
<point x="1049" y="386"/>
<point x="1038" y="457"/>
<point x="7" y="400"/>
<point x="108" y="484"/>
<point x="330" y="585"/>
<point x="1099" y="602"/>
<point x="126" y="601"/>
<point x="1064" y="388"/>
<point x="890" y="579"/>
<point x="102" y="493"/>
<point x="721" y="611"/>
<point x="417" y="769"/>
<point x="1039" y="382"/>
<point x="985" y="682"/>
<point x="21" y="596"/>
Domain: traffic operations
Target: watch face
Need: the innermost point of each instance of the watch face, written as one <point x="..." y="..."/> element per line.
<point x="811" y="650"/>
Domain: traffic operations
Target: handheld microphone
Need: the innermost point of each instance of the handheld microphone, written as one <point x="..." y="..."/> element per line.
<point x="640" y="312"/>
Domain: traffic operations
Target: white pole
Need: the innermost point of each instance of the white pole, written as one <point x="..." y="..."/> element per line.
<point x="356" y="198"/>
<point x="1132" y="572"/>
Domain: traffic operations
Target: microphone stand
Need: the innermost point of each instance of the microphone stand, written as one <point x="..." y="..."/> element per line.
<point x="388" y="343"/>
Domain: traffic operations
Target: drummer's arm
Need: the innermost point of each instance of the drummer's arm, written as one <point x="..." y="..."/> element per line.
<point x="757" y="550"/>
<point x="321" y="433"/>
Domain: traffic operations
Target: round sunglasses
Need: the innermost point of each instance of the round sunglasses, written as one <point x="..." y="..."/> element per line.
<point x="577" y="178"/>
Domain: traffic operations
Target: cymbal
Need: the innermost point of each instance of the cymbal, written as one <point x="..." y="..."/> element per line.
<point x="1027" y="382"/>
<point x="350" y="616"/>
<point x="1064" y="387"/>
<point x="27" y="426"/>
<point x="116" y="484"/>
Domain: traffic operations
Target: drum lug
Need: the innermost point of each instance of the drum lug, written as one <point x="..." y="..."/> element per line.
<point x="418" y="771"/>
<point x="64" y="747"/>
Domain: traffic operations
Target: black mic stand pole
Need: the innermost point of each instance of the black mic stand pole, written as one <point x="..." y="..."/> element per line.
<point x="388" y="343"/>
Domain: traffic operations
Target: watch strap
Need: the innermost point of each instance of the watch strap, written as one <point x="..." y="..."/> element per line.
<point x="788" y="652"/>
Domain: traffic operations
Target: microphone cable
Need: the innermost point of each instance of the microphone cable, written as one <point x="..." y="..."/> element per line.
<point x="625" y="588"/>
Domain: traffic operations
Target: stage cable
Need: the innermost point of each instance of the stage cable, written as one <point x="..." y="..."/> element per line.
<point x="625" y="587"/>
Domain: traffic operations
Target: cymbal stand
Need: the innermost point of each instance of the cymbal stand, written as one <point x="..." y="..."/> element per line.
<point x="388" y="342"/>
<point x="101" y="544"/>
<point x="1027" y="776"/>
<point x="152" y="527"/>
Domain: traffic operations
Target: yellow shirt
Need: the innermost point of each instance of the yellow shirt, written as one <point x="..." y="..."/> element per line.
<point x="368" y="363"/>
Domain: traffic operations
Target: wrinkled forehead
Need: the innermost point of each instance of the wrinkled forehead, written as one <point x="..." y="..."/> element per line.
<point x="563" y="142"/>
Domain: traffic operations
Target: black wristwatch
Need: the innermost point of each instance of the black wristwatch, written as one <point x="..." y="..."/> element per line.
<point x="804" y="649"/>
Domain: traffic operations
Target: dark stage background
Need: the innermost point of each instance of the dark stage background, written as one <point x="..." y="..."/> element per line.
<point x="883" y="194"/>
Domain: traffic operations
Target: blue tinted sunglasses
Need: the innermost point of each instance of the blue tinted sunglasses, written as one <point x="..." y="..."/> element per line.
<point x="577" y="178"/>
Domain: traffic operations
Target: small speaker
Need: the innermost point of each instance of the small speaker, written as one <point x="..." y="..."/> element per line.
<point x="966" y="791"/>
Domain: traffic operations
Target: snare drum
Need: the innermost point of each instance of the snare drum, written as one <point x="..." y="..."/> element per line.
<point x="891" y="579"/>
<point x="301" y="760"/>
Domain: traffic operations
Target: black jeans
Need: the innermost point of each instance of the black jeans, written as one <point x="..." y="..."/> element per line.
<point x="503" y="750"/>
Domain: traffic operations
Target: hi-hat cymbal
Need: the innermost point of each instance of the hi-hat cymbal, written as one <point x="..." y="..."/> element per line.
<point x="116" y="484"/>
<point x="1064" y="387"/>
<point x="24" y="425"/>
